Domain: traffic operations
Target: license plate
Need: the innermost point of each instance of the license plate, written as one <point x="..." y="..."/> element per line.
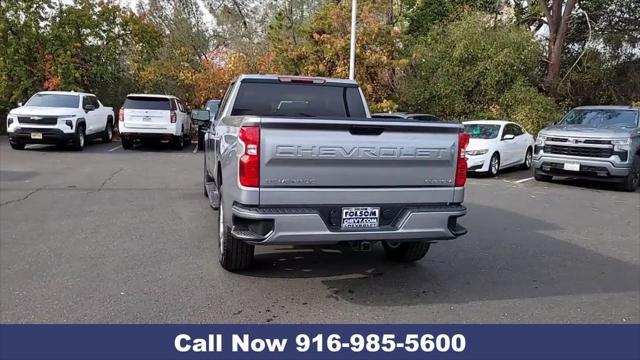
<point x="146" y="118"/>
<point x="36" y="136"/>
<point x="572" y="166"/>
<point x="360" y="217"/>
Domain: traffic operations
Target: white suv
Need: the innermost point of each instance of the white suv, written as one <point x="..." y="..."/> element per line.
<point x="59" y="117"/>
<point x="154" y="117"/>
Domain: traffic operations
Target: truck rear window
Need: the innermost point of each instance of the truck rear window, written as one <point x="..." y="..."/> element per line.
<point x="147" y="103"/>
<point x="298" y="100"/>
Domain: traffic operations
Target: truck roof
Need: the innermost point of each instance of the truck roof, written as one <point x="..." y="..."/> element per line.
<point x="277" y="77"/>
<point x="607" y="107"/>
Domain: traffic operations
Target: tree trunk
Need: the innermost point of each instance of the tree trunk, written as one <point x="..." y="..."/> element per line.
<point x="558" y="21"/>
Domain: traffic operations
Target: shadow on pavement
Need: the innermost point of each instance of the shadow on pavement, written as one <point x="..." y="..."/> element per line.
<point x="508" y="257"/>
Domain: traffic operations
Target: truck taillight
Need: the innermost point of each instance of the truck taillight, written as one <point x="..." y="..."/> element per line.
<point x="121" y="115"/>
<point x="174" y="117"/>
<point x="249" y="168"/>
<point x="461" y="168"/>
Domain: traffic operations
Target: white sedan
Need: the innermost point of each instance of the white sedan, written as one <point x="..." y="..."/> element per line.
<point x="496" y="145"/>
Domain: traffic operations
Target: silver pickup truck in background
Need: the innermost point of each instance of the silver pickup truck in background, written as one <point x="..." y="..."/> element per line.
<point x="592" y="142"/>
<point x="299" y="161"/>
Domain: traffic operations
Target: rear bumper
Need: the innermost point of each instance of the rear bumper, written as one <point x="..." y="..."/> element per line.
<point x="150" y="132"/>
<point x="321" y="224"/>
<point x="589" y="168"/>
<point x="49" y="136"/>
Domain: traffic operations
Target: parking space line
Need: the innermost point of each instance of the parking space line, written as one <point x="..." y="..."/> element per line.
<point x="115" y="148"/>
<point x="195" y="149"/>
<point x="523" y="180"/>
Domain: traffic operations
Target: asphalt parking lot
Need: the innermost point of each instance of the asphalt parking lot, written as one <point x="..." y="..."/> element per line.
<point x="114" y="236"/>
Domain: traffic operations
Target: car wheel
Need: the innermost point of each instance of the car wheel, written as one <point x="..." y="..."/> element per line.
<point x="405" y="251"/>
<point x="528" y="159"/>
<point x="17" y="145"/>
<point x="494" y="165"/>
<point x="235" y="254"/>
<point x="79" y="138"/>
<point x="107" y="134"/>
<point x="631" y="181"/>
<point x="541" y="177"/>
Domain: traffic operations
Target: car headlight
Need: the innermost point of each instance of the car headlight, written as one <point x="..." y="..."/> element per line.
<point x="11" y="119"/>
<point x="476" y="152"/>
<point x="621" y="144"/>
<point x="540" y="140"/>
<point x="66" y="117"/>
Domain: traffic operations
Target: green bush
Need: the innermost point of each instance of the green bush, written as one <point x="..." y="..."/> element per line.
<point x="478" y="67"/>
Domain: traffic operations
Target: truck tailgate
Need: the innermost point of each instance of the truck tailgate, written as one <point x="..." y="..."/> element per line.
<point x="357" y="155"/>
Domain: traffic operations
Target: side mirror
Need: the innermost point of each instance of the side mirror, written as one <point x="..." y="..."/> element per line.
<point x="20" y="104"/>
<point x="89" y="107"/>
<point x="508" y="137"/>
<point x="200" y="115"/>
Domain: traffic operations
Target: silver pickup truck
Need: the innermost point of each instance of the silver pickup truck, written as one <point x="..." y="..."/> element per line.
<point x="592" y="142"/>
<point x="299" y="161"/>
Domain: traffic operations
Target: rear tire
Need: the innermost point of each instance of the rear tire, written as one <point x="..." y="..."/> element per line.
<point x="79" y="138"/>
<point x="235" y="254"/>
<point x="528" y="160"/>
<point x="406" y="251"/>
<point x="127" y="143"/>
<point x="18" y="145"/>
<point x="541" y="177"/>
<point x="178" y="142"/>
<point x="107" y="134"/>
<point x="631" y="181"/>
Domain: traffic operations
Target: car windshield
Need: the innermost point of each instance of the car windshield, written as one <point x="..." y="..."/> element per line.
<point x="600" y="117"/>
<point x="54" y="100"/>
<point x="482" y="131"/>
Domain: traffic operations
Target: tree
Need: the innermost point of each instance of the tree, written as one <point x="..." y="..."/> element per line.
<point x="323" y="49"/>
<point x="477" y="67"/>
<point x="558" y="15"/>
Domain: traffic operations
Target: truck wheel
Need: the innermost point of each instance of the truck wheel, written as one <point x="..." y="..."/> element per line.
<point x="107" y="134"/>
<point x="79" y="138"/>
<point x="235" y="255"/>
<point x="631" y="181"/>
<point x="541" y="177"/>
<point x="17" y="145"/>
<point x="127" y="143"/>
<point x="178" y="142"/>
<point x="405" y="251"/>
<point x="494" y="165"/>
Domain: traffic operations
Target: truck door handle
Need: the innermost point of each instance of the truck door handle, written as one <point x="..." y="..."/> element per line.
<point x="366" y="130"/>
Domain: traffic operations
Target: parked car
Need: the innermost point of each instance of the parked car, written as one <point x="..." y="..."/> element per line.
<point x="203" y="125"/>
<point x="496" y="145"/>
<point x="404" y="115"/>
<point x="299" y="161"/>
<point x="149" y="117"/>
<point x="592" y="142"/>
<point x="60" y="117"/>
